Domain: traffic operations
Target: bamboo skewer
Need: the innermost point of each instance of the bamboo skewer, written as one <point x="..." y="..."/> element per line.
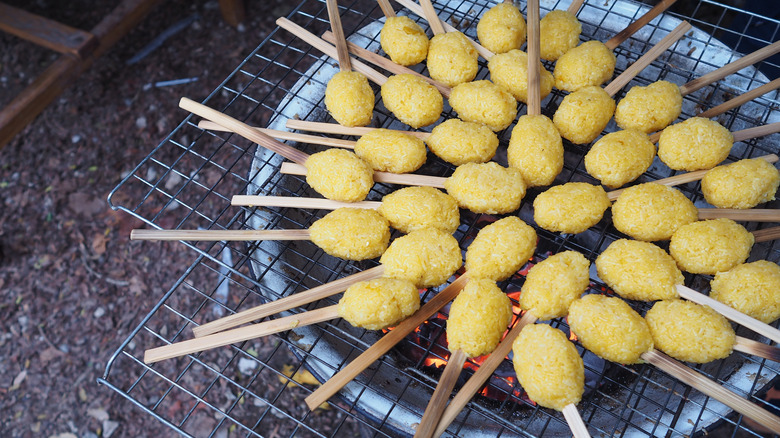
<point x="382" y="62"/>
<point x="432" y="17"/>
<point x="418" y="10"/>
<point x="482" y="375"/>
<point x="756" y="348"/>
<point x="712" y="389"/>
<point x="329" y="50"/>
<point x="240" y="334"/>
<point x="575" y="6"/>
<point x="730" y="313"/>
<point x="730" y="68"/>
<point x="298" y="202"/>
<point x="741" y="99"/>
<point x="440" y="395"/>
<point x="284" y="135"/>
<point x="684" y="178"/>
<point x="333" y="128"/>
<point x="534" y="87"/>
<point x="767" y="234"/>
<point x="341" y="42"/>
<point x="244" y="130"/>
<point x="286" y="303"/>
<point x="619" y="82"/>
<point x="632" y="28"/>
<point x="349" y="372"/>
<point x="217" y="235"/>
<point x="387" y="8"/>
<point x="749" y="215"/>
<point x="408" y="179"/>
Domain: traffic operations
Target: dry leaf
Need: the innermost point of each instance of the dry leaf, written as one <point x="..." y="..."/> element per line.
<point x="303" y="376"/>
<point x="18" y="380"/>
<point x="99" y="244"/>
<point x="49" y="354"/>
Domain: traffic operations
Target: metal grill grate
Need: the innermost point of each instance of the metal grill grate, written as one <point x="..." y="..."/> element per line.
<point x="243" y="390"/>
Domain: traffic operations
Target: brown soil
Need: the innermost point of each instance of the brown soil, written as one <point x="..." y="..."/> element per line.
<point x="72" y="284"/>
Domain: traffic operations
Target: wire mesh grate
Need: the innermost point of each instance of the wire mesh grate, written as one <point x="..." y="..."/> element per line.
<point x="249" y="390"/>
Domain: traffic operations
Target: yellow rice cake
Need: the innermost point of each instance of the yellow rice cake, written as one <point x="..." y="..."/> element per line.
<point x="500" y="249"/>
<point x="412" y="100"/>
<point x="559" y="32"/>
<point x="752" y="288"/>
<point x="339" y="175"/>
<point x="484" y="102"/>
<point x="553" y="284"/>
<point x="694" y="144"/>
<point x="548" y="366"/>
<point x="610" y="328"/>
<point x="403" y="40"/>
<point x="426" y="257"/>
<point x="352" y="233"/>
<point x="620" y="157"/>
<point x="650" y="108"/>
<point x="349" y="98"/>
<point x="590" y="64"/>
<point x="570" y="208"/>
<point x="536" y="150"/>
<point x="510" y="70"/>
<point x="458" y="142"/>
<point x="502" y="28"/>
<point x="711" y="246"/>
<point x="379" y="303"/>
<point x="486" y="187"/>
<point x="742" y="184"/>
<point x="478" y="318"/>
<point x="387" y="150"/>
<point x="652" y="211"/>
<point x="414" y="208"/>
<point x="638" y="270"/>
<point x="452" y="59"/>
<point x="583" y="114"/>
<point x="690" y="332"/>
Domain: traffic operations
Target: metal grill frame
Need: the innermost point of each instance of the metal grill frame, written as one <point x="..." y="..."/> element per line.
<point x="188" y="180"/>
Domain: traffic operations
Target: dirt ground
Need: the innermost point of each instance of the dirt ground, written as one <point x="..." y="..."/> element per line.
<point x="72" y="284"/>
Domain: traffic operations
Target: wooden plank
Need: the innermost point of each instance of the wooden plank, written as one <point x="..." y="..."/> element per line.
<point x="232" y="11"/>
<point x="66" y="69"/>
<point x="46" y="32"/>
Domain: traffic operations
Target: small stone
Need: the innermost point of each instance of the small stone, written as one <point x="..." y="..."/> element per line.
<point x="246" y="366"/>
<point x="75" y="139"/>
<point x="99" y="312"/>
<point x="140" y="122"/>
<point x="109" y="427"/>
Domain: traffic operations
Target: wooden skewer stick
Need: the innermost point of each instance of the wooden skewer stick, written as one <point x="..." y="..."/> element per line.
<point x="286" y="303"/>
<point x="387" y="8"/>
<point x="418" y="10"/>
<point x="349" y="372"/>
<point x="623" y="35"/>
<point x="730" y="313"/>
<point x="713" y="389"/>
<point x="240" y="334"/>
<point x="440" y="395"/>
<point x="244" y="130"/>
<point x="575" y="6"/>
<point x="684" y="178"/>
<point x="334" y="128"/>
<point x="767" y="234"/>
<point x="284" y="135"/>
<point x="534" y="90"/>
<point x="217" y="235"/>
<point x="741" y="99"/>
<point x="381" y="61"/>
<point x="756" y="348"/>
<point x="757" y="131"/>
<point x="730" y="68"/>
<point x="316" y="42"/>
<point x="478" y="379"/>
<point x="341" y="41"/>
<point x="432" y="17"/>
<point x="574" y="420"/>
<point x="749" y="215"/>
<point x="407" y="179"/>
<point x="619" y="82"/>
<point x="299" y="202"/>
